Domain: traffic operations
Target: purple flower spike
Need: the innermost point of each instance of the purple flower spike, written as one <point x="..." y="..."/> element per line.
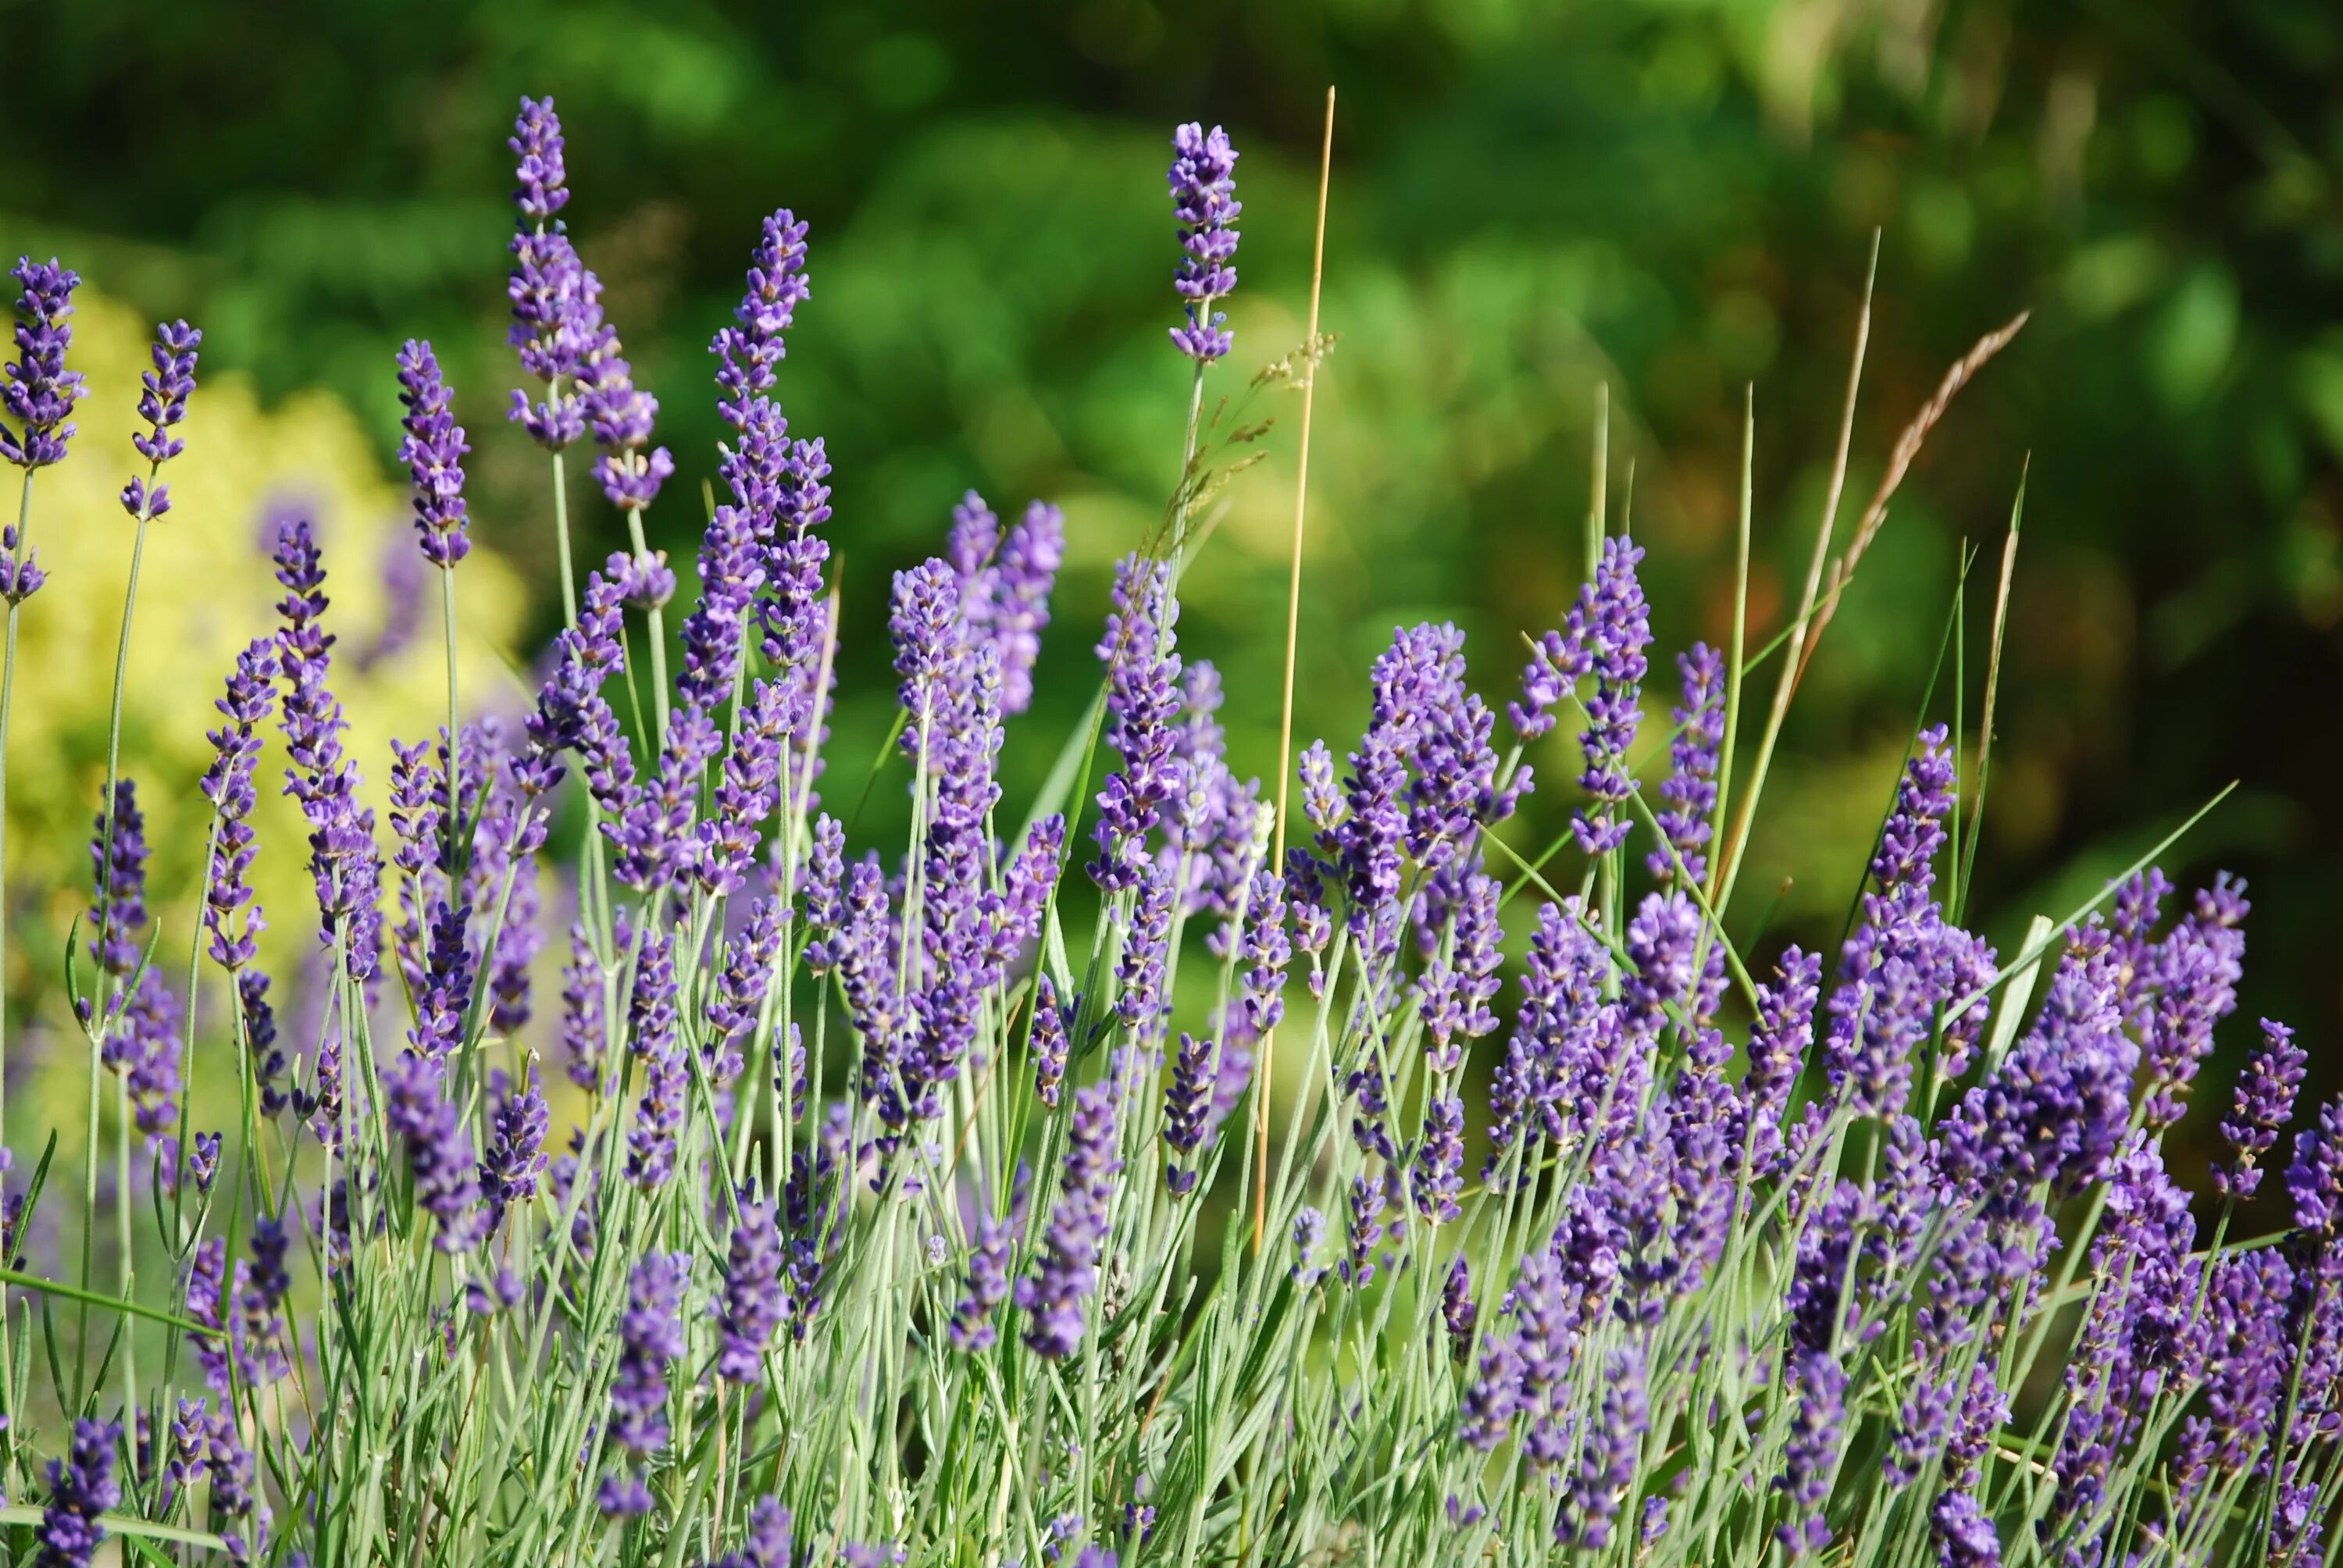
<point x="651" y="1337"/>
<point x="1691" y="787"/>
<point x="621" y="416"/>
<point x="2201" y="962"/>
<point x="1142" y="698"/>
<point x="1438" y="1176"/>
<point x="21" y="576"/>
<point x="37" y="391"/>
<point x="144" y="1047"/>
<point x="1606" y="1460"/>
<point x="544" y="178"/>
<point x="1619" y="628"/>
<point x="343" y="861"/>
<point x="82" y="1487"/>
<point x="1778" y="1042"/>
<point x="991" y="1264"/>
<point x="1308" y="1230"/>
<point x="117" y="919"/>
<point x="1047" y="1044"/>
<point x="1204" y="201"/>
<point x="2315" y="1179"/>
<point x="438" y="1147"/>
<point x="772" y="1533"/>
<point x="227" y="784"/>
<point x="1813" y="1454"/>
<point x="1364" y="1232"/>
<point x="2265" y="1101"/>
<point x="1459" y="985"/>
<point x="1458" y="1313"/>
<point x="1027" y="571"/>
<point x="433" y="451"/>
<point x="557" y="303"/>
<point x="515" y="1162"/>
<point x="162" y="403"/>
<point x="752" y="346"/>
<point x="755" y="1301"/>
<point x="236" y="1487"/>
<point x="1903" y="962"/>
<point x="1052" y="1296"/>
<point x="1965" y="1536"/>
<point x="1187" y="1107"/>
<point x="1267" y="950"/>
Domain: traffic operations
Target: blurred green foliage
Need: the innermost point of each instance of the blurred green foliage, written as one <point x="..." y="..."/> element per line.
<point x="1531" y="198"/>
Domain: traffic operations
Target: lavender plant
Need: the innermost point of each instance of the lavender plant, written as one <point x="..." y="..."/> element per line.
<point x="894" y="1212"/>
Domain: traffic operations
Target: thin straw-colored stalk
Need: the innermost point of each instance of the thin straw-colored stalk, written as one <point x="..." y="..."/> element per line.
<point x="1735" y="845"/>
<point x="1992" y="689"/>
<point x="1734" y="682"/>
<point x="1899" y="463"/>
<point x="1265" y="1080"/>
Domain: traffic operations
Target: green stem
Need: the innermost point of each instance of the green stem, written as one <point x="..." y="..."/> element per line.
<point x="455" y="735"/>
<point x="114" y="739"/>
<point x="105" y="1016"/>
<point x="7" y="704"/>
<point x="561" y="541"/>
<point x="656" y="619"/>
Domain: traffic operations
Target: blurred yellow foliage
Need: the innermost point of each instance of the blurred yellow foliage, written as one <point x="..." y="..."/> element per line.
<point x="207" y="590"/>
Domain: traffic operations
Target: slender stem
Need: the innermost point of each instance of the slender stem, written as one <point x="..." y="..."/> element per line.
<point x="1266" y="1078"/>
<point x="657" y="632"/>
<point x="123" y="1268"/>
<point x="104" y="1019"/>
<point x="561" y="541"/>
<point x="1801" y="624"/>
<point x="455" y="734"/>
<point x="7" y="704"/>
<point x="1735" y="679"/>
<point x="114" y="742"/>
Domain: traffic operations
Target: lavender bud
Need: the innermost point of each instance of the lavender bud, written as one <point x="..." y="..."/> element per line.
<point x="1203" y="198"/>
<point x="2265" y="1101"/>
<point x="37" y="391"/>
<point x="433" y="451"/>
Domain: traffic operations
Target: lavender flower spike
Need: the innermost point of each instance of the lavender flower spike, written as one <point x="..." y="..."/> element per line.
<point x="1204" y="200"/>
<point x="227" y="784"/>
<point x="1053" y="1297"/>
<point x="2265" y="1101"/>
<point x="754" y="1300"/>
<point x="1187" y="1105"/>
<point x="1143" y="697"/>
<point x="621" y="414"/>
<point x="1691" y="787"/>
<point x="651" y="1337"/>
<point x="162" y="403"/>
<point x="1606" y="1462"/>
<point x="544" y="178"/>
<point x="433" y="451"/>
<point x="751" y="347"/>
<point x="989" y="1263"/>
<point x="38" y="392"/>
<point x="1619" y="628"/>
<point x="81" y="1488"/>
<point x="557" y="303"/>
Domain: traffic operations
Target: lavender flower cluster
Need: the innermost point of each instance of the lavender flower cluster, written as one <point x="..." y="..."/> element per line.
<point x="895" y="1214"/>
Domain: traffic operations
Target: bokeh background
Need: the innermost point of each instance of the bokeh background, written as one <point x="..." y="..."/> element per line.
<point x="1532" y="199"/>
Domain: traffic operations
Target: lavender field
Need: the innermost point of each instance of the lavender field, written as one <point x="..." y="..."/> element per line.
<point x="617" y="1142"/>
